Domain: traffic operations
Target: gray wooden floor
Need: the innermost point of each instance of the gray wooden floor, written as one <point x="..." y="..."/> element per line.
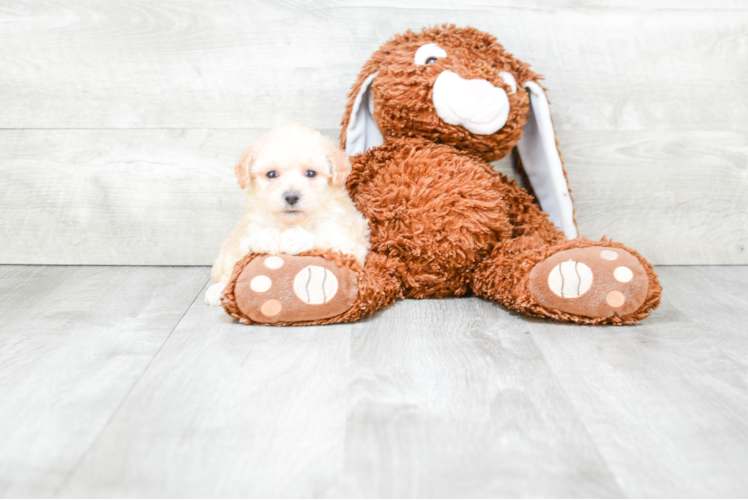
<point x="120" y="381"/>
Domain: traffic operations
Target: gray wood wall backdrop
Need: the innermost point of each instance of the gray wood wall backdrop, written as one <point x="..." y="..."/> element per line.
<point x="120" y="121"/>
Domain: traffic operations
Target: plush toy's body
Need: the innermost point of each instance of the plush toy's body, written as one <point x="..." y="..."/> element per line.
<point x="439" y="237"/>
<point x="427" y="114"/>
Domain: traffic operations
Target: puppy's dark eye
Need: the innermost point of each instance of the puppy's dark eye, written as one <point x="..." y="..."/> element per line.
<point x="431" y="60"/>
<point x="311" y="174"/>
<point x="272" y="174"/>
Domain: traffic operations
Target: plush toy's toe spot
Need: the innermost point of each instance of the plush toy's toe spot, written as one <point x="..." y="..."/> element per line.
<point x="608" y="255"/>
<point x="623" y="274"/>
<point x="290" y="288"/>
<point x="615" y="299"/>
<point x="271" y="308"/>
<point x="260" y="284"/>
<point x="594" y="282"/>
<point x="273" y="262"/>
<point x="315" y="285"/>
<point x="570" y="279"/>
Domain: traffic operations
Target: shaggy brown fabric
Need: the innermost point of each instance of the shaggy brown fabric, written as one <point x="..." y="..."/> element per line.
<point x="443" y="222"/>
<point x="439" y="235"/>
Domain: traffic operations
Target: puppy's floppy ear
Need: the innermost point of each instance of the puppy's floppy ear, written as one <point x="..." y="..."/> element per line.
<point x="541" y="160"/>
<point x="242" y="168"/>
<point x="360" y="132"/>
<point x="340" y="167"/>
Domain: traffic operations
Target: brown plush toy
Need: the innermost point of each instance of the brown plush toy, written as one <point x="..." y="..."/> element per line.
<point x="428" y="112"/>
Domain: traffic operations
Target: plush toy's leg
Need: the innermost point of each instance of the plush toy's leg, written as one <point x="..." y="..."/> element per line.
<point x="314" y="288"/>
<point x="579" y="280"/>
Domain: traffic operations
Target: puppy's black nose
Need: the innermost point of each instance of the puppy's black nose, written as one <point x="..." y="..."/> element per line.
<point x="291" y="197"/>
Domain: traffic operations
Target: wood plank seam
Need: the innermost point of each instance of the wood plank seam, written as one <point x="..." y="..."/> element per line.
<point x="581" y="419"/>
<point x="83" y="455"/>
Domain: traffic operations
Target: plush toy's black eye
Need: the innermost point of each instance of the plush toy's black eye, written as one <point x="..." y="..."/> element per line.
<point x="272" y="174"/>
<point x="311" y="174"/>
<point x="431" y="60"/>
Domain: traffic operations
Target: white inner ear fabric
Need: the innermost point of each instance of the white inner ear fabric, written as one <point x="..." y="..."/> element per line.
<point x="542" y="163"/>
<point x="362" y="132"/>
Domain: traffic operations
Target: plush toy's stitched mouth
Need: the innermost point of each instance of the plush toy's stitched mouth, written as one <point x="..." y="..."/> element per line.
<point x="471" y="121"/>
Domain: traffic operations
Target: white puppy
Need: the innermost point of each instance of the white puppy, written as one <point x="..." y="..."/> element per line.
<point x="296" y="201"/>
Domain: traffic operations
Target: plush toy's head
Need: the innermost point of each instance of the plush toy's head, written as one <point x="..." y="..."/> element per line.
<point x="459" y="87"/>
<point x="451" y="85"/>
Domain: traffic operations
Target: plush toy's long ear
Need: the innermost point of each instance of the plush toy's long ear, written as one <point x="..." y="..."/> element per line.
<point x="360" y="131"/>
<point x="244" y="165"/>
<point x="541" y="160"/>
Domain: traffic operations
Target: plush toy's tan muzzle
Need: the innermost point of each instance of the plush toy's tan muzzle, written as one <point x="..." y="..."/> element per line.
<point x="474" y="104"/>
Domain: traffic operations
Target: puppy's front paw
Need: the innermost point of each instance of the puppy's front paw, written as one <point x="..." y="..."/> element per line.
<point x="360" y="252"/>
<point x="296" y="240"/>
<point x="265" y="241"/>
<point x="213" y="294"/>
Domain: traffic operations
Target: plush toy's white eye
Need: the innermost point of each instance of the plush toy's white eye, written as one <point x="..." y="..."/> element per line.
<point x="509" y="79"/>
<point x="428" y="54"/>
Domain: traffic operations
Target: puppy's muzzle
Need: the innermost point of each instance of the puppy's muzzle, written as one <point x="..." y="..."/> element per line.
<point x="291" y="197"/>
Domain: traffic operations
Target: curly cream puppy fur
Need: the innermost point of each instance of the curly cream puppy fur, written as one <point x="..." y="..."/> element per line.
<point x="296" y="201"/>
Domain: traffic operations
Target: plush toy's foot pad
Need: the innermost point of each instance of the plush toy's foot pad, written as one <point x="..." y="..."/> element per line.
<point x="288" y="288"/>
<point x="596" y="282"/>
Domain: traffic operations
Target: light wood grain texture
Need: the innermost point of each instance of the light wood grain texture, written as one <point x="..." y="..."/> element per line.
<point x="235" y="64"/>
<point x="89" y="173"/>
<point x="118" y="197"/>
<point x="676" y="197"/>
<point x="726" y="305"/>
<point x="445" y="398"/>
<point x="228" y="411"/>
<point x="666" y="401"/>
<point x="155" y="197"/>
<point x="452" y="399"/>
<point x="73" y="341"/>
